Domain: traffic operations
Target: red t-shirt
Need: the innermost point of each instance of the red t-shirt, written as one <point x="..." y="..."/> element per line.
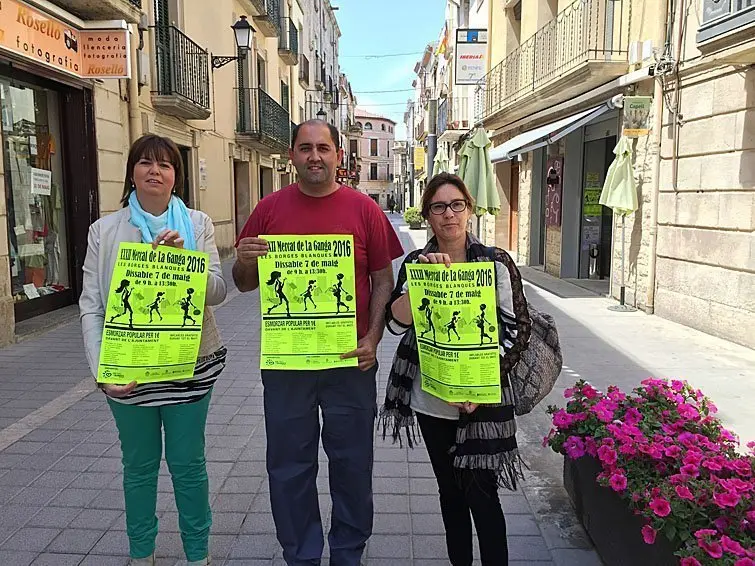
<point x="346" y="211"/>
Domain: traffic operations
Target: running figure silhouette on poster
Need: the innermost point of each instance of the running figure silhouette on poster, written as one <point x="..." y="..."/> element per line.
<point x="125" y="295"/>
<point x="461" y="362"/>
<point x="154" y="307"/>
<point x="313" y="278"/>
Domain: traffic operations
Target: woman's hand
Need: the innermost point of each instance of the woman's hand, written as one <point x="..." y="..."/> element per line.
<point x="117" y="391"/>
<point x="436" y="258"/>
<point x="168" y="238"/>
<point x="466" y="407"/>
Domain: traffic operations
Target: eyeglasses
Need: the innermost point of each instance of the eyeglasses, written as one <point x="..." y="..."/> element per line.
<point x="439" y="208"/>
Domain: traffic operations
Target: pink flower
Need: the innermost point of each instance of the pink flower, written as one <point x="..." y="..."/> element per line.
<point x="591" y="447"/>
<point x="690" y="470"/>
<point x="607" y="455"/>
<point x="648" y="534"/>
<point x="632" y="416"/>
<point x="660" y="507"/>
<point x="703" y="533"/>
<point x="569" y="393"/>
<point x="742" y="467"/>
<point x="562" y="419"/>
<point x="713" y="548"/>
<point x="744" y="562"/>
<point x="603" y="413"/>
<point x="687" y="411"/>
<point x="590" y="392"/>
<point x="574" y="447"/>
<point x="732" y="546"/>
<point x="690" y="561"/>
<point x="684" y="493"/>
<point x="722" y="523"/>
<point x="618" y="482"/>
<point x="673" y="451"/>
<point x="727" y="499"/>
<point x="677" y="385"/>
<point x="712" y="465"/>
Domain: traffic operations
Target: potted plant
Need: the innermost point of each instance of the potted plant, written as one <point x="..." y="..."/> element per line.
<point x="655" y="477"/>
<point x="413" y="218"/>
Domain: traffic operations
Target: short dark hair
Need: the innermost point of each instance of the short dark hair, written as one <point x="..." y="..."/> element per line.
<point x="157" y="148"/>
<point x="436" y="183"/>
<point x="334" y="135"/>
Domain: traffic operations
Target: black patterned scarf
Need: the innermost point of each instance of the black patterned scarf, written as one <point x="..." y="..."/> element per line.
<point x="486" y="438"/>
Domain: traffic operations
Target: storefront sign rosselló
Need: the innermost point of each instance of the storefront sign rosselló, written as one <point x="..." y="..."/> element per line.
<point x="37" y="36"/>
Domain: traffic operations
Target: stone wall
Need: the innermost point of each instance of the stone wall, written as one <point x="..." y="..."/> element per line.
<point x="706" y="234"/>
<point x="525" y="201"/>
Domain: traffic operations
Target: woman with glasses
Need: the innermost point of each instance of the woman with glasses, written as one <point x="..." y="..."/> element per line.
<point x="472" y="448"/>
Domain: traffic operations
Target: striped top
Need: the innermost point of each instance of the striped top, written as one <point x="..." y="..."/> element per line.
<point x="206" y="372"/>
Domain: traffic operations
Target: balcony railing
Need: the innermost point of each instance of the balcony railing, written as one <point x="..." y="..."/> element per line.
<point x="261" y="118"/>
<point x="269" y="23"/>
<point x="182" y="72"/>
<point x="304" y="70"/>
<point x="453" y="114"/>
<point x="136" y="3"/>
<point x="288" y="43"/>
<point x="588" y="31"/>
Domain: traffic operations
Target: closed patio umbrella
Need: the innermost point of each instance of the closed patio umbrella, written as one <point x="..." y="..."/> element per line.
<point x="441" y="164"/>
<point x="476" y="171"/>
<point x="620" y="194"/>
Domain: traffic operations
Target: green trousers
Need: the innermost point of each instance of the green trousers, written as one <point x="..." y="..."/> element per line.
<point x="140" y="430"/>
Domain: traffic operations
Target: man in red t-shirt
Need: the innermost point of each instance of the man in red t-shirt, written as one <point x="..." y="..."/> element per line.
<point x="346" y="396"/>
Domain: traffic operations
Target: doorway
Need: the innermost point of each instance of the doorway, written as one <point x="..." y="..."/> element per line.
<point x="514" y="207"/>
<point x="266" y="182"/>
<point x="242" y="192"/>
<point x="596" y="229"/>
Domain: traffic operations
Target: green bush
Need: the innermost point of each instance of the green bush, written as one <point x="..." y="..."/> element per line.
<point x="412" y="215"/>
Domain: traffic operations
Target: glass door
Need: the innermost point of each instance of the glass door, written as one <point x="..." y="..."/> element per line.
<point x="35" y="198"/>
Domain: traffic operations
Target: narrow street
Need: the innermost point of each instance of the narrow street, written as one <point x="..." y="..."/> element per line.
<point x="61" y="500"/>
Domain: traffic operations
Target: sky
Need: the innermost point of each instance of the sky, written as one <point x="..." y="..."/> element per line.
<point x="385" y="27"/>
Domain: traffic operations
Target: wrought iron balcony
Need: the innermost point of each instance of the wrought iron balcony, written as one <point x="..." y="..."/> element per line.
<point x="129" y="10"/>
<point x="261" y="122"/>
<point x="303" y="71"/>
<point x="269" y="22"/>
<point x="453" y="118"/>
<point x="288" y="44"/>
<point x="584" y="46"/>
<point x="183" y="81"/>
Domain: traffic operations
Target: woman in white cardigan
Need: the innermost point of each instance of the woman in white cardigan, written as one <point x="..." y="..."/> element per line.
<point x="153" y="213"/>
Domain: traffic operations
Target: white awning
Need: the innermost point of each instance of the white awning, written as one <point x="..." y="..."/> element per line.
<point x="545" y="135"/>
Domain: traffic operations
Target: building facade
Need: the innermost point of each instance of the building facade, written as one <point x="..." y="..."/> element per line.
<point x="377" y="167"/>
<point x="70" y="116"/>
<point x="553" y="101"/>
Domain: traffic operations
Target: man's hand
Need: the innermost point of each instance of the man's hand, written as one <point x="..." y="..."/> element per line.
<point x="366" y="353"/>
<point x="436" y="258"/>
<point x="466" y="407"/>
<point x="117" y="391"/>
<point x="168" y="238"/>
<point x="249" y="249"/>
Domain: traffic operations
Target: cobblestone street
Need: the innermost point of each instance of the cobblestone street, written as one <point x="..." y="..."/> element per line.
<point x="61" y="501"/>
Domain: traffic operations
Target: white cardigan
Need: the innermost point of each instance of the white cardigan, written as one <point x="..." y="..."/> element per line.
<point x="105" y="235"/>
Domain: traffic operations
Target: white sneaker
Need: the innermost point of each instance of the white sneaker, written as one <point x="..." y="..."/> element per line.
<point x="148" y="561"/>
<point x="203" y="562"/>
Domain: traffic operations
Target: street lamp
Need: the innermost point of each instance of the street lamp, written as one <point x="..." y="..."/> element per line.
<point x="321" y="114"/>
<point x="244" y="32"/>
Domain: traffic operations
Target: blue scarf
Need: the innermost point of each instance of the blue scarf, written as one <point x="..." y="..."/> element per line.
<point x="175" y="218"/>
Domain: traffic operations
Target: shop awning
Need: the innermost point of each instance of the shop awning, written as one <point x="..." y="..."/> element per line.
<point x="545" y="135"/>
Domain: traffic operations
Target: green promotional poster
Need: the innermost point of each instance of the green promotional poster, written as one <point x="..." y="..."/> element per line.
<point x="455" y="319"/>
<point x="308" y="302"/>
<point x="153" y="320"/>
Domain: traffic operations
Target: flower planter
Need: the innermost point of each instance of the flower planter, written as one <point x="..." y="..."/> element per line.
<point x="415" y="226"/>
<point x="613" y="527"/>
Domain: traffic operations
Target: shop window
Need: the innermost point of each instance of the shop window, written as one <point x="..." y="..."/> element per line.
<point x="37" y="225"/>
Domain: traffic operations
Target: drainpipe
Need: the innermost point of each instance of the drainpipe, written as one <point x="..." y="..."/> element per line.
<point x="134" y="117"/>
<point x="656" y="178"/>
